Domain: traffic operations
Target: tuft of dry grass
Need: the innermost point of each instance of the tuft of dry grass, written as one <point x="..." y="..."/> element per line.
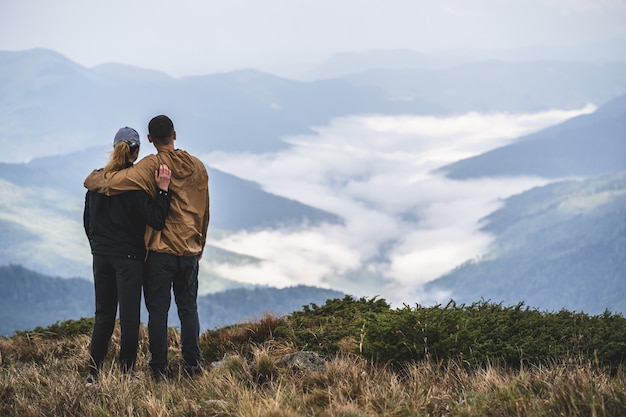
<point x="46" y="377"/>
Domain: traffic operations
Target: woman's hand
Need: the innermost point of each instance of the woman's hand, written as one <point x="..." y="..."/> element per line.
<point x="162" y="177"/>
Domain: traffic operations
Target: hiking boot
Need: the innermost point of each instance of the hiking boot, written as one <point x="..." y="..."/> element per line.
<point x="161" y="374"/>
<point x="192" y="371"/>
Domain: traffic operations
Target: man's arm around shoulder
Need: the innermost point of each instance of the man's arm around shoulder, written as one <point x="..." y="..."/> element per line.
<point x="138" y="177"/>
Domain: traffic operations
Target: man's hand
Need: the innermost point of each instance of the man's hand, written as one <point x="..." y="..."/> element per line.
<point x="162" y="177"/>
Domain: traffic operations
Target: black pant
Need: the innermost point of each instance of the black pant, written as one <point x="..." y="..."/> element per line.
<point x="116" y="280"/>
<point x="164" y="272"/>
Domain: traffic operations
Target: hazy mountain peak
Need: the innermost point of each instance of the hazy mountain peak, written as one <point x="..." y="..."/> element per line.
<point x="40" y="64"/>
<point x="345" y="63"/>
<point x="129" y="72"/>
<point x="589" y="144"/>
<point x="33" y="56"/>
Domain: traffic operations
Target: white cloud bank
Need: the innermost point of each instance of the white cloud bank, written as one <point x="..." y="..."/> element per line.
<point x="404" y="225"/>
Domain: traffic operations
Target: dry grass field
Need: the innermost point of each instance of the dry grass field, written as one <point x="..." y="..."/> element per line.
<point x="42" y="376"/>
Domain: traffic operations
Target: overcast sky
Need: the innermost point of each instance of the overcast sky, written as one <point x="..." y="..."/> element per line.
<point x="191" y="37"/>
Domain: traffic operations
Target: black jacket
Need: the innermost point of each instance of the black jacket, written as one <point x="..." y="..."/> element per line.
<point x="115" y="225"/>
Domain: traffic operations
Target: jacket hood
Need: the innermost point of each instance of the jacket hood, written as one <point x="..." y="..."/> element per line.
<point x="180" y="162"/>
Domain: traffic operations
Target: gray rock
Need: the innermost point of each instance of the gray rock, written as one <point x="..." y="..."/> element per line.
<point x="305" y="360"/>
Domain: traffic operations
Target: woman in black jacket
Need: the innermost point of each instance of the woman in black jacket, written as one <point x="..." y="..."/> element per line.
<point x="115" y="227"/>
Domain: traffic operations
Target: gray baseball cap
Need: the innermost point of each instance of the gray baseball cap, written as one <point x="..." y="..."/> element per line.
<point x="127" y="134"/>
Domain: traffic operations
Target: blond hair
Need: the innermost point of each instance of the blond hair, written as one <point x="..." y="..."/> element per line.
<point x="120" y="157"/>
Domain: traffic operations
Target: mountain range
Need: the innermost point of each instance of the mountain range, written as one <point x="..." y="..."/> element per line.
<point x="553" y="246"/>
<point x="44" y="218"/>
<point x="50" y="105"/>
<point x="346" y="63"/>
<point x="30" y="299"/>
<point x="585" y="145"/>
<point x="560" y="246"/>
<point x="490" y="86"/>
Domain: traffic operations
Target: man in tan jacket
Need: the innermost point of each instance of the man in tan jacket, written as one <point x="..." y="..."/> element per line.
<point x="174" y="251"/>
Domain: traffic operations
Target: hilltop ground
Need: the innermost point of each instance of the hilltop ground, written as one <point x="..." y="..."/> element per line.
<point x="42" y="373"/>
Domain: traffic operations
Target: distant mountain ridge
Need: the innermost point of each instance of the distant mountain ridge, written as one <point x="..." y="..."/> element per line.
<point x="236" y="203"/>
<point x="344" y="63"/>
<point x="29" y="299"/>
<point x="562" y="245"/>
<point x="558" y="246"/>
<point x="50" y="105"/>
<point x="585" y="145"/>
<point x="51" y="102"/>
<point x="48" y="194"/>
<point x="499" y="86"/>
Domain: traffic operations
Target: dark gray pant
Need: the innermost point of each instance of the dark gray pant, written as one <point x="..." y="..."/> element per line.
<point x="116" y="281"/>
<point x="164" y="272"/>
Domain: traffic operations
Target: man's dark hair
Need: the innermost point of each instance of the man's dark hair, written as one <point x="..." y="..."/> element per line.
<point x="161" y="129"/>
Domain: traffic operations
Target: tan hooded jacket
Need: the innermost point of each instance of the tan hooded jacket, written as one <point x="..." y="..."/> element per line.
<point x="186" y="225"/>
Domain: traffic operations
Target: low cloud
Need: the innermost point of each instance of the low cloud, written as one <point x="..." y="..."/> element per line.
<point x="403" y="224"/>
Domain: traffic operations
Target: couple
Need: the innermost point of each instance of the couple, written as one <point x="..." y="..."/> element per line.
<point x="168" y="192"/>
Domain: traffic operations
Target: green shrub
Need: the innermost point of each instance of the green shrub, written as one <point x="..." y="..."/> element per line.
<point x="60" y="329"/>
<point x="322" y="328"/>
<point x="476" y="335"/>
